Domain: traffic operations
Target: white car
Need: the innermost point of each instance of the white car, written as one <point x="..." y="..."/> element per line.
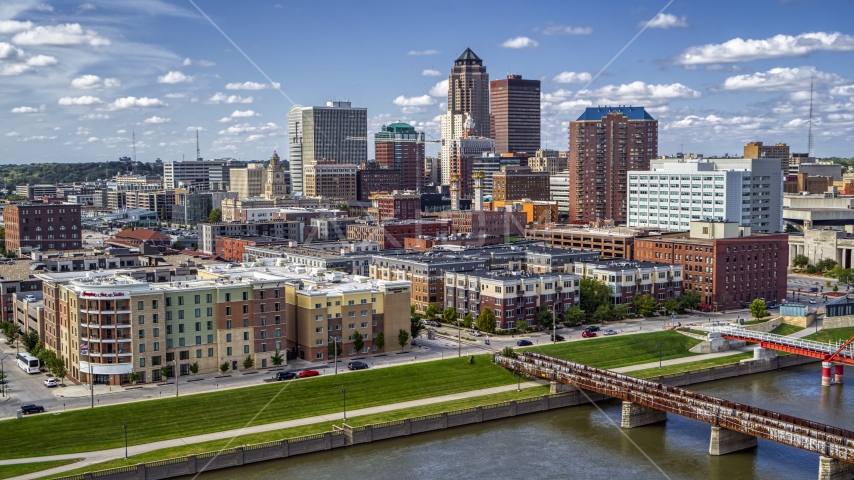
<point x="812" y="300"/>
<point x="50" y="383"/>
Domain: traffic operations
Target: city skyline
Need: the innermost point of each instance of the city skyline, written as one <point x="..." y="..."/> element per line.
<point x="79" y="78"/>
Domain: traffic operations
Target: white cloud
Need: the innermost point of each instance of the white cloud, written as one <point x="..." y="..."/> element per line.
<point x="133" y="102"/>
<point x="14" y="26"/>
<point x="778" y="79"/>
<point x="251" y="86"/>
<point x="556" y="96"/>
<point x="174" y="77"/>
<point x="14" y="69"/>
<point x="121" y="131"/>
<point x="520" y="42"/>
<point x="252" y="138"/>
<point x="92" y="139"/>
<point x="421" y="101"/>
<point x="86" y="82"/>
<point x="13" y="60"/>
<point x="222" y="98"/>
<point x="440" y="89"/>
<point x="95" y="116"/>
<point x="82" y="100"/>
<point x="41" y="61"/>
<point x="666" y="20"/>
<point x="249" y="128"/>
<point x="193" y="129"/>
<point x="431" y="73"/>
<point x="572" y="77"/>
<point x="156" y="119"/>
<point x="422" y="52"/>
<point x="175" y="95"/>
<point x="86" y="6"/>
<point x="244" y="113"/>
<point x="38" y="138"/>
<point x="739" y="50"/>
<point x="847" y="90"/>
<point x="640" y="92"/>
<point x="26" y="110"/>
<point x="43" y="7"/>
<point x="69" y="34"/>
<point x="57" y="129"/>
<point x="187" y="62"/>
<point x="81" y="131"/>
<point x="567" y="30"/>
<point x="717" y="122"/>
<point x="13" y="134"/>
<point x="202" y="63"/>
<point x="224" y="120"/>
<point x="10" y="53"/>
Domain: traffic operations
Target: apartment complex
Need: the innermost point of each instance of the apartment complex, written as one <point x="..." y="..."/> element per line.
<point x="396" y="206"/>
<point x="605" y="143"/>
<point x="551" y="161"/>
<point x="328" y="178"/>
<point x="723" y="262"/>
<point x="627" y="279"/>
<point x="501" y="223"/>
<point x="284" y="229"/>
<point x="42" y="226"/>
<point x="515" y="107"/>
<point x="516" y="183"/>
<point x="337" y="132"/>
<point x="399" y="147"/>
<point x="391" y="235"/>
<point x="350" y="258"/>
<point x="611" y="242"/>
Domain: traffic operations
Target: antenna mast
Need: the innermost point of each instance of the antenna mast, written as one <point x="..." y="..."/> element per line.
<point x="809" y="148"/>
<point x="198" y="153"/>
<point x="133" y="133"/>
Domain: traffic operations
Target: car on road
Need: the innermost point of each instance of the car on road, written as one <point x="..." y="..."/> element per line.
<point x="557" y="338"/>
<point x="476" y="333"/>
<point x="588" y="334"/>
<point x="592" y="328"/>
<point x="432" y="324"/>
<point x="357" y="366"/>
<point x="29" y="408"/>
<point x="524" y="343"/>
<point x="50" y="382"/>
<point x="610" y="332"/>
<point x="308" y="373"/>
<point x="773" y="306"/>
<point x="286" y="376"/>
<point x="812" y="300"/>
<point x="813" y="289"/>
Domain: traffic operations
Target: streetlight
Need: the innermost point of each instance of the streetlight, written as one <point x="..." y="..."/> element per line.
<point x="659" y="355"/>
<point x="344" y="391"/>
<point x="176" y="376"/>
<point x="518" y="378"/>
<point x="459" y="338"/>
<point x="335" y="352"/>
<point x="125" y="428"/>
<point x="554" y="326"/>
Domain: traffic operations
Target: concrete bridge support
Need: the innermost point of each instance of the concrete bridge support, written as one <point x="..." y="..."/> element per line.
<point x="833" y="469"/>
<point x="837" y="374"/>
<point x="725" y="441"/>
<point x="635" y="415"/>
<point x="760" y="353"/>
<point x="826" y="379"/>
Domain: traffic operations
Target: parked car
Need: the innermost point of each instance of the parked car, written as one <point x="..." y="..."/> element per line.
<point x="592" y="328"/>
<point x="476" y="333"/>
<point x="524" y="343"/>
<point x="812" y="300"/>
<point x="50" y="382"/>
<point x="813" y="289"/>
<point x="357" y="365"/>
<point x="29" y="408"/>
<point x="610" y="332"/>
<point x="557" y="338"/>
<point x="773" y="306"/>
<point x="308" y="373"/>
<point x="286" y="376"/>
<point x="588" y="334"/>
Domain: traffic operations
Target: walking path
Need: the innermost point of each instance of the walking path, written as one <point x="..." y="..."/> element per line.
<point x="677" y="361"/>
<point x="90" y="458"/>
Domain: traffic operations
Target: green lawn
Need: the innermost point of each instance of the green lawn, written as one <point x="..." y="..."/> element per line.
<point x="688" y="366"/>
<point x="622" y="350"/>
<point x="755" y="321"/>
<point x="311" y="429"/>
<point x="9" y="471"/>
<point x="149" y="421"/>
<point x="832" y="334"/>
<point x="698" y="332"/>
<point x="786" y="329"/>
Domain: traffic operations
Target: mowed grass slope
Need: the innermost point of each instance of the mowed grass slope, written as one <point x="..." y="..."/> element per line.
<point x="832" y="334"/>
<point x="622" y="350"/>
<point x="154" y="420"/>
<point x="9" y="471"/>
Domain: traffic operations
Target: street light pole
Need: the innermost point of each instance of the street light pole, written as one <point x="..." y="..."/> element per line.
<point x="659" y="355"/>
<point x="459" y="338"/>
<point x="554" y="325"/>
<point x="176" y="376"/>
<point x="335" y="352"/>
<point x="344" y="391"/>
<point x="125" y="428"/>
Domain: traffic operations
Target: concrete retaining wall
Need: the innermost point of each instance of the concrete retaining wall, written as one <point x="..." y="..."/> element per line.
<point x="746" y="367"/>
<point x="765" y="327"/>
<point x="802" y="322"/>
<point x="838" y="322"/>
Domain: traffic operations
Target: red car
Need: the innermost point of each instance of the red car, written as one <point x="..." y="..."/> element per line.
<point x="308" y="373"/>
<point x="588" y="334"/>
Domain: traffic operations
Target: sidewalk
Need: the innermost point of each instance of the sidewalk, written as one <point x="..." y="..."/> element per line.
<point x="677" y="361"/>
<point x="90" y="458"/>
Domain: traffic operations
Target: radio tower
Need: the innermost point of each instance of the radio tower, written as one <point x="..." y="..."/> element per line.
<point x="198" y="152"/>
<point x="133" y="133"/>
<point x="809" y="147"/>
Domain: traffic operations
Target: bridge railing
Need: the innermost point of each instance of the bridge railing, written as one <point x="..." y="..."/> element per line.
<point x="811" y="345"/>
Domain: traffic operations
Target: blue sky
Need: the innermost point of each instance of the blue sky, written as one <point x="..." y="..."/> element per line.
<point x="77" y="78"/>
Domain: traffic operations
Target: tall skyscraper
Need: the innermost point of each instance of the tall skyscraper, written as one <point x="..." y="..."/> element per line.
<point x="335" y="132"/>
<point x="604" y="144"/>
<point x="515" y="107"/>
<point x="399" y="147"/>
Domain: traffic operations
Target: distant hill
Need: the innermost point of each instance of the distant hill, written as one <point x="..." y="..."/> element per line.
<point x="52" y="173"/>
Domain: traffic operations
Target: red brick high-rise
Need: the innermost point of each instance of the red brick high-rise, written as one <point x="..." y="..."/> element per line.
<point x="43" y="226"/>
<point x="515" y="107"/>
<point x="604" y="144"/>
<point x="399" y="147"/>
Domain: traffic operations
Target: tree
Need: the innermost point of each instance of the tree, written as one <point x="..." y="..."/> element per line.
<point x="508" y="352"/>
<point x="486" y="321"/>
<point x="689" y="300"/>
<point x="335" y="349"/>
<point x="522" y="325"/>
<point x="58" y="368"/>
<point x="178" y="245"/>
<point x="30" y="340"/>
<point x="790" y="229"/>
<point x="224" y="367"/>
<point x="127" y="227"/>
<point x="133" y="377"/>
<point x="402" y="338"/>
<point x="10" y="330"/>
<point x="574" y="315"/>
<point x="468" y="320"/>
<point x="800" y="261"/>
<point x="836" y="288"/>
<point x="39" y="349"/>
<point x="432" y="311"/>
<point x="194" y="368"/>
<point x="644" y="304"/>
<point x="195" y="245"/>
<point x="619" y="312"/>
<point x="358" y="342"/>
<point x="248" y="362"/>
<point x="415" y="327"/>
<point x="757" y="308"/>
<point x="670" y="305"/>
<point x="380" y="341"/>
<point x="604" y="313"/>
<point x="450" y="316"/>
<point x="215" y="215"/>
<point x="825" y="265"/>
<point x="166" y="371"/>
<point x="48" y="358"/>
<point x="544" y="317"/>
<point x="594" y="293"/>
<point x="277" y="359"/>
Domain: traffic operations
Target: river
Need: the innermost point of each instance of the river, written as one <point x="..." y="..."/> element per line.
<point x="581" y="442"/>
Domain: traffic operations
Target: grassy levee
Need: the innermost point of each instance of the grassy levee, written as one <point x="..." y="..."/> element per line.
<point x="786" y="329"/>
<point x="149" y="421"/>
<point x="9" y="471"/>
<point x="274" y="435"/>
<point x="689" y="366"/>
<point x="832" y="334"/>
<point x="622" y="350"/>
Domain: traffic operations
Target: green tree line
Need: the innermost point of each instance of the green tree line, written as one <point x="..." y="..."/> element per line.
<point x="49" y="173"/>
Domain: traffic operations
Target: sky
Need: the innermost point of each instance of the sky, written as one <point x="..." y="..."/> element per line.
<point x="79" y="78"/>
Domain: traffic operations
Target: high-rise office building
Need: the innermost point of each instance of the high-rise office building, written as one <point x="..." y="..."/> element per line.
<point x="248" y="181"/>
<point x="468" y="99"/>
<point x="779" y="151"/>
<point x="515" y="107"/>
<point x="335" y="132"/>
<point x="399" y="147"/>
<point x="604" y="144"/>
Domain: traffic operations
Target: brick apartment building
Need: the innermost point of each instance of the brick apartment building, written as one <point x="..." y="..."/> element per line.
<point x="233" y="248"/>
<point x="396" y="206"/>
<point x="488" y="222"/>
<point x="627" y="279"/>
<point x="517" y="183"/>
<point x="43" y="226"/>
<point x="390" y="235"/>
<point x="374" y="177"/>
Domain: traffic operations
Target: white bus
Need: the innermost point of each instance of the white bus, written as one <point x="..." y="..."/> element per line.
<point x="28" y="363"/>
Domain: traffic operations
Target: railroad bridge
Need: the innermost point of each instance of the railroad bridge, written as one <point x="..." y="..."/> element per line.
<point x="735" y="426"/>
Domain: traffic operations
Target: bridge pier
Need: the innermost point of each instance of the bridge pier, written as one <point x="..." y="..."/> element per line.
<point x="760" y="353"/>
<point x="635" y="415"/>
<point x="833" y="469"/>
<point x="837" y="373"/>
<point x="725" y="441"/>
<point x="826" y="379"/>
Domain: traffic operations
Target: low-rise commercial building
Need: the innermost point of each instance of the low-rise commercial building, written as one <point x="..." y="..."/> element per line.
<point x="502" y="223"/>
<point x="284" y="229"/>
<point x="611" y="242"/>
<point x="233" y="249"/>
<point x="350" y="258"/>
